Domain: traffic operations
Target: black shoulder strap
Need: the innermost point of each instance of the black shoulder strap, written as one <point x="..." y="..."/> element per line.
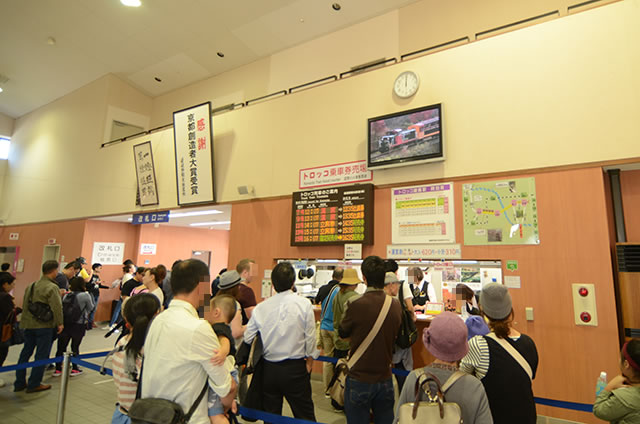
<point x="197" y="402"/>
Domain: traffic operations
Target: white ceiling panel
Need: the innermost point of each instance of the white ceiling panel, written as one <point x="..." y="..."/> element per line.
<point x="175" y="40"/>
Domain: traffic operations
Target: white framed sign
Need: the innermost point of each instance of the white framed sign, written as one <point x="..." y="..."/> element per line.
<point x="148" y="248"/>
<point x="193" y="140"/>
<point x="145" y="174"/>
<point x="107" y="253"/>
<point x="423" y="214"/>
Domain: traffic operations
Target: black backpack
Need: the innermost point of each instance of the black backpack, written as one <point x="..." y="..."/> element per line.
<point x="41" y="311"/>
<point x="408" y="333"/>
<point x="71" y="308"/>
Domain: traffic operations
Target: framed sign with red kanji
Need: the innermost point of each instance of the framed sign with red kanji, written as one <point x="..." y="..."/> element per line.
<point x="193" y="138"/>
<point x="334" y="215"/>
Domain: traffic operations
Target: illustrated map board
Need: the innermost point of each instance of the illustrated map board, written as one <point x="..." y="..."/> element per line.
<point x="500" y="212"/>
<point x="423" y="214"/>
<point x="332" y="216"/>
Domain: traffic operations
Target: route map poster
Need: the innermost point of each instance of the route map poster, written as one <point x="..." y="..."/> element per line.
<point x="500" y="212"/>
<point x="423" y="214"/>
<point x="332" y="216"/>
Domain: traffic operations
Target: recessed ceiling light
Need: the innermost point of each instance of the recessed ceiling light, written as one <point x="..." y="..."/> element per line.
<point x="1" y="90"/>
<point x="220" y="54"/>
<point x="51" y="41"/>
<point x="206" y="224"/>
<point x="173" y="214"/>
<point x="131" y="3"/>
<point x="336" y="6"/>
<point x="301" y="20"/>
<point x="157" y="79"/>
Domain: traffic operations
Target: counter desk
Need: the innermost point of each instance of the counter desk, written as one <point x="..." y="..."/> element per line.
<point x="421" y="356"/>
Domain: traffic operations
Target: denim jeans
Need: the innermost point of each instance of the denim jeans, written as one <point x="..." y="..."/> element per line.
<point x="39" y="339"/>
<point x="116" y="313"/>
<point x="120" y="418"/>
<point x="360" y="398"/>
<point x="93" y="311"/>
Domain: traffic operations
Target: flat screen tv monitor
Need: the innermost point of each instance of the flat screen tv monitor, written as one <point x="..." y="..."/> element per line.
<point x="406" y="138"/>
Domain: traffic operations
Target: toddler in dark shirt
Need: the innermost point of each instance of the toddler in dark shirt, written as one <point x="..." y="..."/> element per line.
<point x="223" y="309"/>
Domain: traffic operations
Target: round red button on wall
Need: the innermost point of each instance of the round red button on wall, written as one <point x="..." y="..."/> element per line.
<point x="585" y="317"/>
<point x="583" y="292"/>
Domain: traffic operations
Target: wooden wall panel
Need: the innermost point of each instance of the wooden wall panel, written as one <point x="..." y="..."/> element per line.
<point x="630" y="187"/>
<point x="575" y="247"/>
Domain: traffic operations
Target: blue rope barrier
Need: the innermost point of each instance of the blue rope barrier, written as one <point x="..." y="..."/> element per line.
<point x="91" y="366"/>
<point x="26" y="365"/>
<point x="584" y="407"/>
<point x="270" y="418"/>
<point x="260" y="415"/>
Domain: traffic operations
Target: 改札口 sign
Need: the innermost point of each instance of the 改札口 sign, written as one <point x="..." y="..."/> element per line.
<point x="107" y="253"/>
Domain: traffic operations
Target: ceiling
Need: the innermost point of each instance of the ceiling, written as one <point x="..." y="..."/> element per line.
<point x="176" y="41"/>
<point x="195" y="215"/>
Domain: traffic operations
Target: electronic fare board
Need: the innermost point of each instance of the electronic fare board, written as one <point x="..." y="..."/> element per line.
<point x="333" y="216"/>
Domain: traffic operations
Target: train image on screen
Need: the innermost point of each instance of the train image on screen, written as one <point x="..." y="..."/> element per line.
<point x="420" y="131"/>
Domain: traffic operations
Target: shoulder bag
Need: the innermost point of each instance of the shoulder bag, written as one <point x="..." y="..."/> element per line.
<point x="41" y="311"/>
<point x="408" y="333"/>
<point x="514" y="353"/>
<point x="161" y="411"/>
<point x="436" y="409"/>
<point x="338" y="382"/>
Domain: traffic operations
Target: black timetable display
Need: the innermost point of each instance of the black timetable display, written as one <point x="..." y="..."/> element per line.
<point x="333" y="216"/>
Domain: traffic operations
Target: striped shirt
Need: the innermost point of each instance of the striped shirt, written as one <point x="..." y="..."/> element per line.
<point x="126" y="387"/>
<point x="477" y="360"/>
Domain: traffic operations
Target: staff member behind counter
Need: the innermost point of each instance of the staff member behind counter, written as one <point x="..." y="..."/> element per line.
<point x="422" y="289"/>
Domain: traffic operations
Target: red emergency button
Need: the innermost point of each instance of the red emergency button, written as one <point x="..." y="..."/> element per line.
<point x="583" y="291"/>
<point x="585" y="317"/>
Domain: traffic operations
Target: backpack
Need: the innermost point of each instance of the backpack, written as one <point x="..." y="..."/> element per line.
<point x="71" y="308"/>
<point x="408" y="333"/>
<point x="434" y="410"/>
<point x="41" y="311"/>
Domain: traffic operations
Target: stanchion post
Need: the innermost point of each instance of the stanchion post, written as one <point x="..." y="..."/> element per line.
<point x="62" y="399"/>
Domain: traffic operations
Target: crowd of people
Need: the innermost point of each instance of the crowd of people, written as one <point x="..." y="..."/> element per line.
<point x="483" y="366"/>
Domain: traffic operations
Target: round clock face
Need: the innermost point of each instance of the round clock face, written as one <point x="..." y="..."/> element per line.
<point x="406" y="84"/>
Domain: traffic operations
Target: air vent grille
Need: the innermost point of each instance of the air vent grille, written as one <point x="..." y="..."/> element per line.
<point x="628" y="257"/>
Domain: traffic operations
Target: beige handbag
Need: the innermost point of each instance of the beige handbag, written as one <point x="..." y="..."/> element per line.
<point x="337" y="384"/>
<point x="436" y="409"/>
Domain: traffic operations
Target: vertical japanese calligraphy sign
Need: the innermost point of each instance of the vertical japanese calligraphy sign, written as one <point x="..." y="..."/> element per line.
<point x="145" y="174"/>
<point x="193" y="141"/>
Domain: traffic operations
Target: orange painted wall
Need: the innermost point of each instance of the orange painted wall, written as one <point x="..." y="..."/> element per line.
<point x="630" y="187"/>
<point x="32" y="239"/>
<point x="178" y="242"/>
<point x="575" y="247"/>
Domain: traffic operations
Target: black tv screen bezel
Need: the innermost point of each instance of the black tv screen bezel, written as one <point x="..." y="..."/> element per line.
<point x="412" y="160"/>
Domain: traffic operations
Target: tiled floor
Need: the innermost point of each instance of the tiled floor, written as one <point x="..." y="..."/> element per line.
<point x="91" y="397"/>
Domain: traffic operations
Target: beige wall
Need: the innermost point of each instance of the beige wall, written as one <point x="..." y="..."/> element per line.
<point x="562" y="92"/>
<point x="6" y="125"/>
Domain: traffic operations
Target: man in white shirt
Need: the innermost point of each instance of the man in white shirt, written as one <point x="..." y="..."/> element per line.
<point x="179" y="347"/>
<point x="287" y="327"/>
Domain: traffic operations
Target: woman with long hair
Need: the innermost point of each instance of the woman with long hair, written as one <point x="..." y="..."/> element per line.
<point x="127" y="359"/>
<point x="76" y="305"/>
